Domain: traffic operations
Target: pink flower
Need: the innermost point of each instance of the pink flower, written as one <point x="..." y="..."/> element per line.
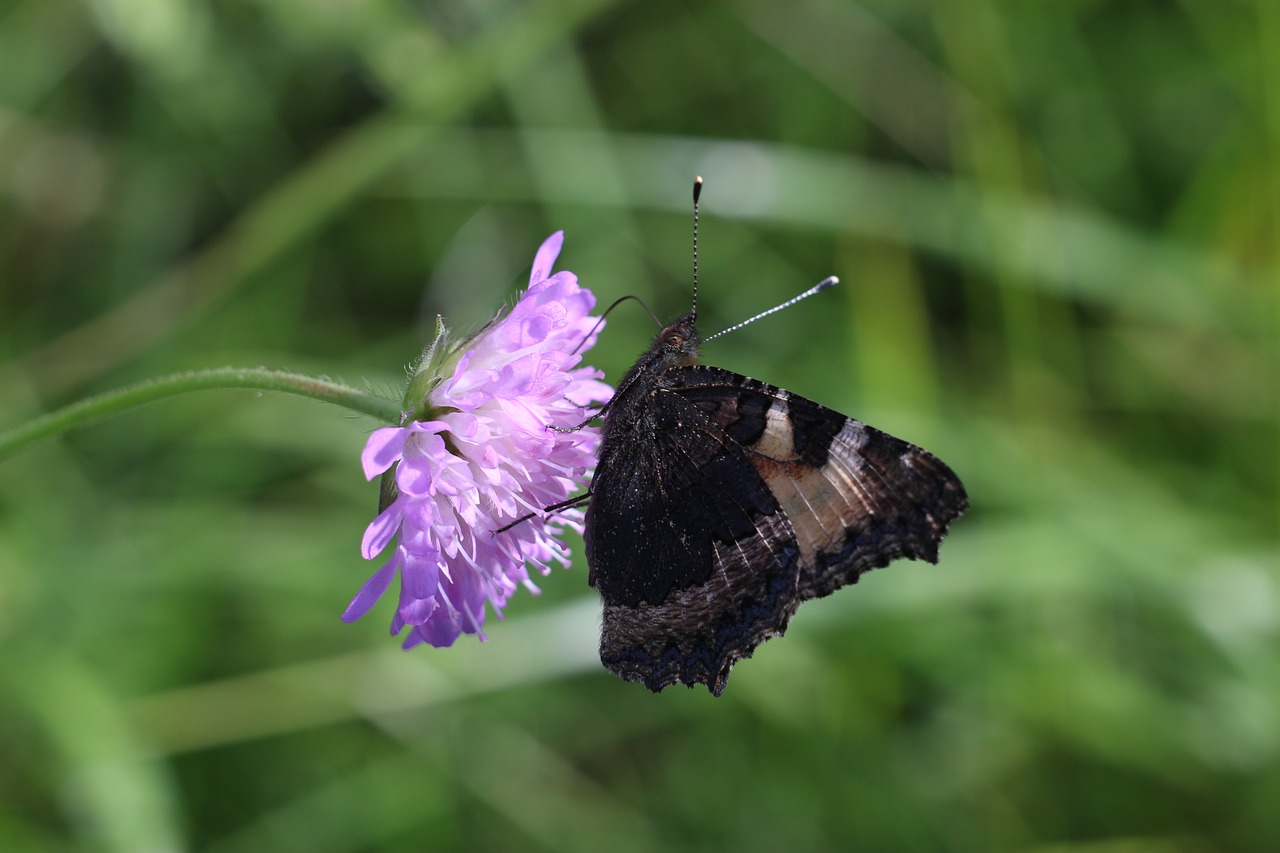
<point x="476" y="453"/>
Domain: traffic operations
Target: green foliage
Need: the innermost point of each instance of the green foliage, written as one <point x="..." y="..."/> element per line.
<point x="1056" y="230"/>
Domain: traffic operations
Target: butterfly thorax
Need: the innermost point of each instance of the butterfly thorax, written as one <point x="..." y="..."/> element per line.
<point x="675" y="346"/>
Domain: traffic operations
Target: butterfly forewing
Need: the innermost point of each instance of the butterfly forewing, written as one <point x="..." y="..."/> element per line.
<point x="691" y="552"/>
<point x="857" y="498"/>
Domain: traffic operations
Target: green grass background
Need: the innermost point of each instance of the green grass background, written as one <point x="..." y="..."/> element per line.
<point x="1056" y="226"/>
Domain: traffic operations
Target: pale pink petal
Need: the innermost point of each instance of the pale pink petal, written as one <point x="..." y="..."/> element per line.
<point x="417" y="611"/>
<point x="372" y="590"/>
<point x="440" y="633"/>
<point x="420" y="575"/>
<point x="382" y="450"/>
<point x="414" y="481"/>
<point x="380" y="531"/>
<point x="545" y="259"/>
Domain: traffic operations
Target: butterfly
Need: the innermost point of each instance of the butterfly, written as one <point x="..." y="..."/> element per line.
<point x="720" y="503"/>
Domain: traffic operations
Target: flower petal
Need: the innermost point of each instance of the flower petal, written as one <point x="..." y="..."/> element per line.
<point x="439" y="632"/>
<point x="417" y="611"/>
<point x="381" y="530"/>
<point x="372" y="590"/>
<point x="421" y="576"/>
<point x="381" y="451"/>
<point x="545" y="259"/>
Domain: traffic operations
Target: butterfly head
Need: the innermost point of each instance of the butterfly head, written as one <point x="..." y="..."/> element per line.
<point x="677" y="344"/>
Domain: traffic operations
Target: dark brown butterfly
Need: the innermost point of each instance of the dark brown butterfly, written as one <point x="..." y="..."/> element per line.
<point x="721" y="503"/>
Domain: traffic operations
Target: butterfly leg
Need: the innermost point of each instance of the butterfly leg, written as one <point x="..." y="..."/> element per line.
<point x="596" y="415"/>
<point x="577" y="500"/>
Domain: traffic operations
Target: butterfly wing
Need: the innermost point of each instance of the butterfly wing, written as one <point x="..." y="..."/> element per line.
<point x="690" y="550"/>
<point x="857" y="498"/>
<point x="734" y="502"/>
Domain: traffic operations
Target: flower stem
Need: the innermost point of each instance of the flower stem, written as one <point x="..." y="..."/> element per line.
<point x="103" y="405"/>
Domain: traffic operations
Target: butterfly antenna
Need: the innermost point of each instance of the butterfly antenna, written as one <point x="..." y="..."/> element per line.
<point x="607" y="311"/>
<point x="830" y="281"/>
<point x="697" y="192"/>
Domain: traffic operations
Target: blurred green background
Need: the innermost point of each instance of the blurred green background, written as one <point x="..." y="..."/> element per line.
<point x="1056" y="225"/>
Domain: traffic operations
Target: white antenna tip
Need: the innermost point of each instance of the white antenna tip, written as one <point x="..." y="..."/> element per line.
<point x="829" y="281"/>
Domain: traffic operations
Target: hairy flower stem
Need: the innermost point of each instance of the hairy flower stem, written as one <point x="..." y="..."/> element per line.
<point x="113" y="402"/>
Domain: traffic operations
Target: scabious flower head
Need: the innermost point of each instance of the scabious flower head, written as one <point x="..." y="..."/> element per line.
<point x="476" y="452"/>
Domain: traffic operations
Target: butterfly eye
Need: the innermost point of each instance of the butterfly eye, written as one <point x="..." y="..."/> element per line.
<point x="675" y="339"/>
